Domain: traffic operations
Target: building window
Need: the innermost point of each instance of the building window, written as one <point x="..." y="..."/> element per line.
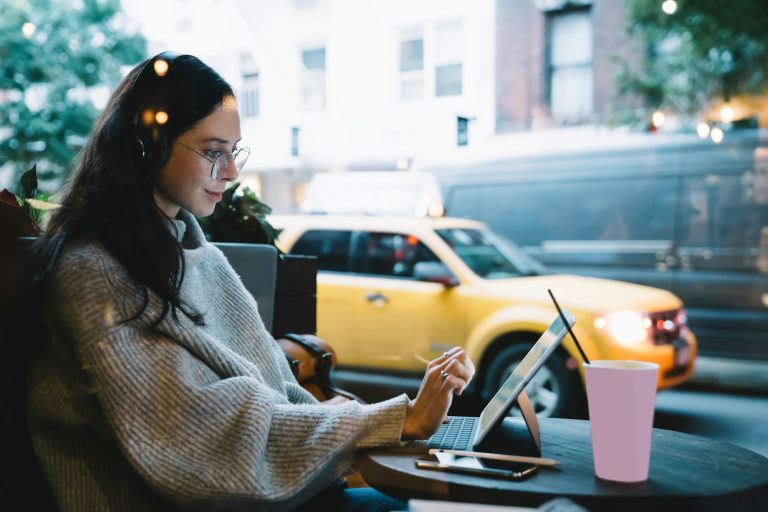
<point x="313" y="78"/>
<point x="295" y="130"/>
<point x="448" y="66"/>
<point x="249" y="95"/>
<point x="570" y="72"/>
<point x="411" y="66"/>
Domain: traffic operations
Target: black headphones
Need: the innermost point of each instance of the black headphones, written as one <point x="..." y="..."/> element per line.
<point x="152" y="145"/>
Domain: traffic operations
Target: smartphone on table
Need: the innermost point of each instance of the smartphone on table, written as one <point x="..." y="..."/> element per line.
<point x="476" y="466"/>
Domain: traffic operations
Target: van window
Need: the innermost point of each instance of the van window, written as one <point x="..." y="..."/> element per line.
<point x="331" y="248"/>
<point x="598" y="216"/>
<point x="724" y="222"/>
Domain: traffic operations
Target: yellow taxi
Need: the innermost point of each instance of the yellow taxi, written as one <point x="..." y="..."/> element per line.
<point x="394" y="292"/>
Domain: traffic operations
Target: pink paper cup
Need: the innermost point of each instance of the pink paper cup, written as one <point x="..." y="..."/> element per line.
<point x="621" y="397"/>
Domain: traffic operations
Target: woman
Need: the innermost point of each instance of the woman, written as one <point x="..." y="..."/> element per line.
<point x="157" y="386"/>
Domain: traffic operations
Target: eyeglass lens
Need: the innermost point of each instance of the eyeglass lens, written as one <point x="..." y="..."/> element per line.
<point x="222" y="161"/>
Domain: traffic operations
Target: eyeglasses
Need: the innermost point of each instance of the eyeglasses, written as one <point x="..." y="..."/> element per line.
<point x="220" y="159"/>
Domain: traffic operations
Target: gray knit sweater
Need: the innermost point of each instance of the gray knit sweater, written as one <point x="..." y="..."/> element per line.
<point x="187" y="417"/>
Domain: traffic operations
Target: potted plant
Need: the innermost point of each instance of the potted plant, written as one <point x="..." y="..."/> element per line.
<point x="22" y="213"/>
<point x="20" y="216"/>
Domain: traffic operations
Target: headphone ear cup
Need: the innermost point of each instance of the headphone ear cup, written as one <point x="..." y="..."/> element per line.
<point x="141" y="149"/>
<point x="152" y="148"/>
<point x="162" y="148"/>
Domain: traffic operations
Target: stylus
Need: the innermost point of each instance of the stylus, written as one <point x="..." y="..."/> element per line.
<point x="497" y="456"/>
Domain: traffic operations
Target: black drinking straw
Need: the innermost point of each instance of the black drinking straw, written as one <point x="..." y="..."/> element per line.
<point x="568" y="326"/>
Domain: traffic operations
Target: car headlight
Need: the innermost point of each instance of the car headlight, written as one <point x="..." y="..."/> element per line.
<point x="626" y="327"/>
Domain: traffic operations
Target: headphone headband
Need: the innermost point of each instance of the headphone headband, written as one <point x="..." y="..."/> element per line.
<point x="154" y="69"/>
<point x="151" y="144"/>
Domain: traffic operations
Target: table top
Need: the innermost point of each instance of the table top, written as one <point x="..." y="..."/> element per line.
<point x="686" y="472"/>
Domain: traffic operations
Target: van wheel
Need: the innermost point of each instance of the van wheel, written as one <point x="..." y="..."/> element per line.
<point x="555" y="391"/>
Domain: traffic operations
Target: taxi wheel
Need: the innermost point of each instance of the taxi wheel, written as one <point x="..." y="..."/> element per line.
<point x="555" y="391"/>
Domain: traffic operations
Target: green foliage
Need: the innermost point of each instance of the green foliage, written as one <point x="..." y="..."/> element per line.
<point x="47" y="78"/>
<point x="239" y="217"/>
<point x="34" y="202"/>
<point x="706" y="51"/>
<point x="27" y="210"/>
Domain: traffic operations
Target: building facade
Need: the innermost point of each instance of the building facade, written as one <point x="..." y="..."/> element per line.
<point x="344" y="85"/>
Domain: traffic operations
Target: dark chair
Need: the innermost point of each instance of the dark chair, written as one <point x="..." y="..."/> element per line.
<point x="257" y="266"/>
<point x="24" y="486"/>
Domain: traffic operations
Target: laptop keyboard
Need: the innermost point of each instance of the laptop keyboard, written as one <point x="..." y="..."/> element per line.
<point x="454" y="435"/>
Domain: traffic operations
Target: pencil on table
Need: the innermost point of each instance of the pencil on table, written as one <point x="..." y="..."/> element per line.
<point x="421" y="358"/>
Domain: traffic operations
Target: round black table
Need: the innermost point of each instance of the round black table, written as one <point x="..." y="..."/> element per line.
<point x="687" y="472"/>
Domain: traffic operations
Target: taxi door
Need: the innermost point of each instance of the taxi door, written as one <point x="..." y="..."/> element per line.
<point x="400" y="322"/>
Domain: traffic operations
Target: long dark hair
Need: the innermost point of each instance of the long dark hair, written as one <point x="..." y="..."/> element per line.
<point x="110" y="195"/>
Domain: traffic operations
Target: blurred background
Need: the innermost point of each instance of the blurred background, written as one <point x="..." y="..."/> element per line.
<point x="614" y="138"/>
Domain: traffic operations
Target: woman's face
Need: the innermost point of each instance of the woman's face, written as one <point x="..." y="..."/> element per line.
<point x="185" y="179"/>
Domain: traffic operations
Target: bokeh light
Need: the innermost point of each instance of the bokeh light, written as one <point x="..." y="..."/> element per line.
<point x="669" y="7"/>
<point x="147" y="117"/>
<point x="161" y="67"/>
<point x="28" y="29"/>
<point x="717" y="135"/>
<point x="658" y="118"/>
<point x="726" y="114"/>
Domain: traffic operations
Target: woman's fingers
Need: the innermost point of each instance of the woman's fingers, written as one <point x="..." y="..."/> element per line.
<point x="456" y="384"/>
<point x="446" y="356"/>
<point x="459" y="354"/>
<point x="460" y="370"/>
<point x="462" y="357"/>
<point x="445" y="376"/>
<point x="458" y="366"/>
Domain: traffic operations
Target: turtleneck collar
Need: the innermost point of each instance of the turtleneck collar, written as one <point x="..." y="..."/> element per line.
<point x="188" y="233"/>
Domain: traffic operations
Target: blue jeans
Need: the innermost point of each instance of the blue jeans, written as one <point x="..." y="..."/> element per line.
<point x="356" y="499"/>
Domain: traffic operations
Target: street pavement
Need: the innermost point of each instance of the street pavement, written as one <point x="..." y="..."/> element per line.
<point x="736" y="418"/>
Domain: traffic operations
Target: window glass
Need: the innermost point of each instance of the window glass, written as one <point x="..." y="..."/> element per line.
<point x="724" y="222"/>
<point x="488" y="255"/>
<point x="448" y="80"/>
<point x="448" y="59"/>
<point x="332" y="248"/>
<point x="313" y="86"/>
<point x="313" y="59"/>
<point x="412" y="54"/>
<point x="532" y="214"/>
<point x="249" y="96"/>
<point x="411" y="79"/>
<point x="571" y="42"/>
<point x="392" y="254"/>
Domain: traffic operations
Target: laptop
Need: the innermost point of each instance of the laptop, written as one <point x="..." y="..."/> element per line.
<point x="466" y="433"/>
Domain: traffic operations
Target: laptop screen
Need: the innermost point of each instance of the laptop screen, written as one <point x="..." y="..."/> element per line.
<point x="501" y="402"/>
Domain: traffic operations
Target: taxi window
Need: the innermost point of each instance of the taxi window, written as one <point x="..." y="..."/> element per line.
<point x="394" y="254"/>
<point x="330" y="246"/>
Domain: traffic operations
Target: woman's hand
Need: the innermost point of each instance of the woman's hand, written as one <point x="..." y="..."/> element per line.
<point x="447" y="375"/>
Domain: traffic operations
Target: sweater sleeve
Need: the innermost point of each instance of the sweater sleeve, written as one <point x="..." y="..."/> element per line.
<point x="196" y="435"/>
